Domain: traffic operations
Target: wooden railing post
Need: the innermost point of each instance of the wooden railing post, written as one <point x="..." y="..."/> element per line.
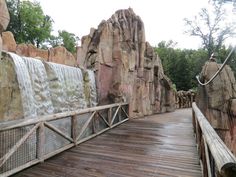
<point x="40" y="142"/>
<point x="110" y="116"/>
<point x="74" y="130"/>
<point x="217" y="159"/>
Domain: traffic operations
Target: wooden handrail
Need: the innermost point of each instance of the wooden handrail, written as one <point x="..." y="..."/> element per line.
<point x="37" y="129"/>
<point x="29" y="121"/>
<point x="224" y="159"/>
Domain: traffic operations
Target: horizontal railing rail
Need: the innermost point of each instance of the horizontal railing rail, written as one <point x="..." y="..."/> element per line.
<point x="215" y="157"/>
<point x="24" y="143"/>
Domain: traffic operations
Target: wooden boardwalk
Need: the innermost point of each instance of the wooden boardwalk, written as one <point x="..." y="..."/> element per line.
<point x="158" y="145"/>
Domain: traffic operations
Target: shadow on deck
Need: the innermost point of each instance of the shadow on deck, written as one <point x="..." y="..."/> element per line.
<point x="158" y="145"/>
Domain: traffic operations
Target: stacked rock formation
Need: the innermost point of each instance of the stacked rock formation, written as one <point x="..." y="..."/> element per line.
<point x="4" y="20"/>
<point x="127" y="68"/>
<point x="184" y="99"/>
<point x="57" y="55"/>
<point x="218" y="101"/>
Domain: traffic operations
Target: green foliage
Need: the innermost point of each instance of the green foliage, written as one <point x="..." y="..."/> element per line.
<point x="181" y="66"/>
<point x="69" y="40"/>
<point x="28" y="22"/>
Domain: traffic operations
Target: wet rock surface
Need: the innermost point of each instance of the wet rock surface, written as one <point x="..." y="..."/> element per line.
<point x="127" y="68"/>
<point x="217" y="101"/>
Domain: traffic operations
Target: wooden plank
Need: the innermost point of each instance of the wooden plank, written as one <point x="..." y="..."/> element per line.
<point x="103" y="118"/>
<point x="85" y="125"/>
<point x="24" y="122"/>
<point x="159" y="145"/>
<point x="28" y="164"/>
<point x="207" y="158"/>
<point x="74" y="129"/>
<point x="17" y="145"/>
<point x="114" y="116"/>
<point x="224" y="159"/>
<point x="40" y="142"/>
<point x="55" y="129"/>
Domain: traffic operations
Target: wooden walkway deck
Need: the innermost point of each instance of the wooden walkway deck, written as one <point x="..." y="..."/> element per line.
<point x="158" y="145"/>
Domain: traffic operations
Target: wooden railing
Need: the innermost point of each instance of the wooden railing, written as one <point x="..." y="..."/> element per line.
<point x="24" y="143"/>
<point x="216" y="159"/>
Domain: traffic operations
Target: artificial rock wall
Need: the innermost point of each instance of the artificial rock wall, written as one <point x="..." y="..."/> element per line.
<point x="4" y="20"/>
<point x="126" y="66"/>
<point x="57" y="54"/>
<point x="217" y="101"/>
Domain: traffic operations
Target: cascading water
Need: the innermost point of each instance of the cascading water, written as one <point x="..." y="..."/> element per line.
<point x="66" y="86"/>
<point x="39" y="82"/>
<point x="48" y="88"/>
<point x="24" y="81"/>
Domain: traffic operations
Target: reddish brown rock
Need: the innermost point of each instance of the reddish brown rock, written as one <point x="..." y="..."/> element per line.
<point x="217" y="101"/>
<point x="30" y="50"/>
<point x="62" y="56"/>
<point x="4" y="16"/>
<point x="4" y="20"/>
<point x="9" y="43"/>
<point x="127" y="68"/>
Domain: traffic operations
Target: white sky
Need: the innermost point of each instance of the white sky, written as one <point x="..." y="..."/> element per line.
<point x="163" y="19"/>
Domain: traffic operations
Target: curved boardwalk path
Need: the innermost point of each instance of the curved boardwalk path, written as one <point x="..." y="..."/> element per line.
<point x="158" y="145"/>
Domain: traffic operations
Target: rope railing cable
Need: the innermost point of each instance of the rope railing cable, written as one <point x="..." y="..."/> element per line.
<point x="219" y="70"/>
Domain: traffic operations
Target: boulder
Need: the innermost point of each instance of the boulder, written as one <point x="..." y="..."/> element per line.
<point x="217" y="101"/>
<point x="127" y="68"/>
<point x="4" y="16"/>
<point x="9" y="43"/>
<point x="30" y="50"/>
<point x="62" y="56"/>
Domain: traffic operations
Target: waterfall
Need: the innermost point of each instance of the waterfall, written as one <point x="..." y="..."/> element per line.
<point x="39" y="82"/>
<point x="66" y="86"/>
<point x="48" y="88"/>
<point x="25" y="86"/>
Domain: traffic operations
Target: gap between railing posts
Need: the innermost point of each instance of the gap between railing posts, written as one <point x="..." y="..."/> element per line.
<point x="24" y="143"/>
<point x="215" y="158"/>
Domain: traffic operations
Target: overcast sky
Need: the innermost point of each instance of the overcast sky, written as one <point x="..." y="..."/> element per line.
<point x="163" y="19"/>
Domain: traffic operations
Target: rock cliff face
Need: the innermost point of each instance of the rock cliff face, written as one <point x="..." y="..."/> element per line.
<point x="127" y="68"/>
<point x="218" y="101"/>
<point x="58" y="54"/>
<point x="4" y="20"/>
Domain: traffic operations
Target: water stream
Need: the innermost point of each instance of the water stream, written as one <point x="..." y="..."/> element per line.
<point x="48" y="88"/>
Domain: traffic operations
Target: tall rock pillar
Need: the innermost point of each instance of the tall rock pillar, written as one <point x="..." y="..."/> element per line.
<point x="4" y="20"/>
<point x="126" y="66"/>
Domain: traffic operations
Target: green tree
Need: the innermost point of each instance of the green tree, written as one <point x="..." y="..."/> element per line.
<point x="181" y="65"/>
<point x="69" y="40"/>
<point x="28" y="22"/>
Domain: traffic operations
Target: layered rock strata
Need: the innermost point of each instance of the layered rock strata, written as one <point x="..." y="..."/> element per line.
<point x="218" y="101"/>
<point x="127" y="68"/>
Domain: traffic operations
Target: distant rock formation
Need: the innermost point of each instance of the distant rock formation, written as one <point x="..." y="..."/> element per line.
<point x="218" y="101"/>
<point x="127" y="68"/>
<point x="57" y="54"/>
<point x="184" y="99"/>
<point x="4" y="20"/>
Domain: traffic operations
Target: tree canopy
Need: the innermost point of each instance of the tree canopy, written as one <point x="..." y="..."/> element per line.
<point x="28" y="22"/>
